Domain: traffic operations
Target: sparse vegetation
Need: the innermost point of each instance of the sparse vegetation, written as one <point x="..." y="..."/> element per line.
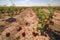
<point x="13" y="15"/>
<point x="42" y="15"/>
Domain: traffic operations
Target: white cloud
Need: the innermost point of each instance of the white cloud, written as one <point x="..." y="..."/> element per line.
<point x="29" y="3"/>
<point x="55" y="3"/>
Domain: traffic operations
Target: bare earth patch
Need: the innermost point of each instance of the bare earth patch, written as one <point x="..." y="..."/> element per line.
<point x="27" y="20"/>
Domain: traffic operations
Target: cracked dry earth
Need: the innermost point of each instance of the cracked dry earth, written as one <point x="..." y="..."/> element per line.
<point x="27" y="20"/>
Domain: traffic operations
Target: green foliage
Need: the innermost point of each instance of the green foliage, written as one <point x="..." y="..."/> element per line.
<point x="51" y="22"/>
<point x="40" y="14"/>
<point x="10" y="14"/>
<point x="45" y="26"/>
<point x="3" y="10"/>
<point x="51" y="9"/>
<point x="39" y="26"/>
<point x="10" y="10"/>
<point x="38" y="10"/>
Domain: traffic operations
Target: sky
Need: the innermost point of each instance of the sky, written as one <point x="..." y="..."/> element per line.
<point x="31" y="2"/>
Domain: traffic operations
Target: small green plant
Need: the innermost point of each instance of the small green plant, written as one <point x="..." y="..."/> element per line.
<point x="51" y="9"/>
<point x="39" y="27"/>
<point x="11" y="10"/>
<point x="51" y="22"/>
<point x="10" y="14"/>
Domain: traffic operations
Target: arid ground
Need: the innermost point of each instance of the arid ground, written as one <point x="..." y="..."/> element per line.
<point x="21" y="24"/>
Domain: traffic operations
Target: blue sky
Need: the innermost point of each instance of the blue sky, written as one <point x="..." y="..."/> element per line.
<point x="31" y="2"/>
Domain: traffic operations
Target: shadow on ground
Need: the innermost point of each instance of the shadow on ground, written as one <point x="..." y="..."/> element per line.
<point x="53" y="35"/>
